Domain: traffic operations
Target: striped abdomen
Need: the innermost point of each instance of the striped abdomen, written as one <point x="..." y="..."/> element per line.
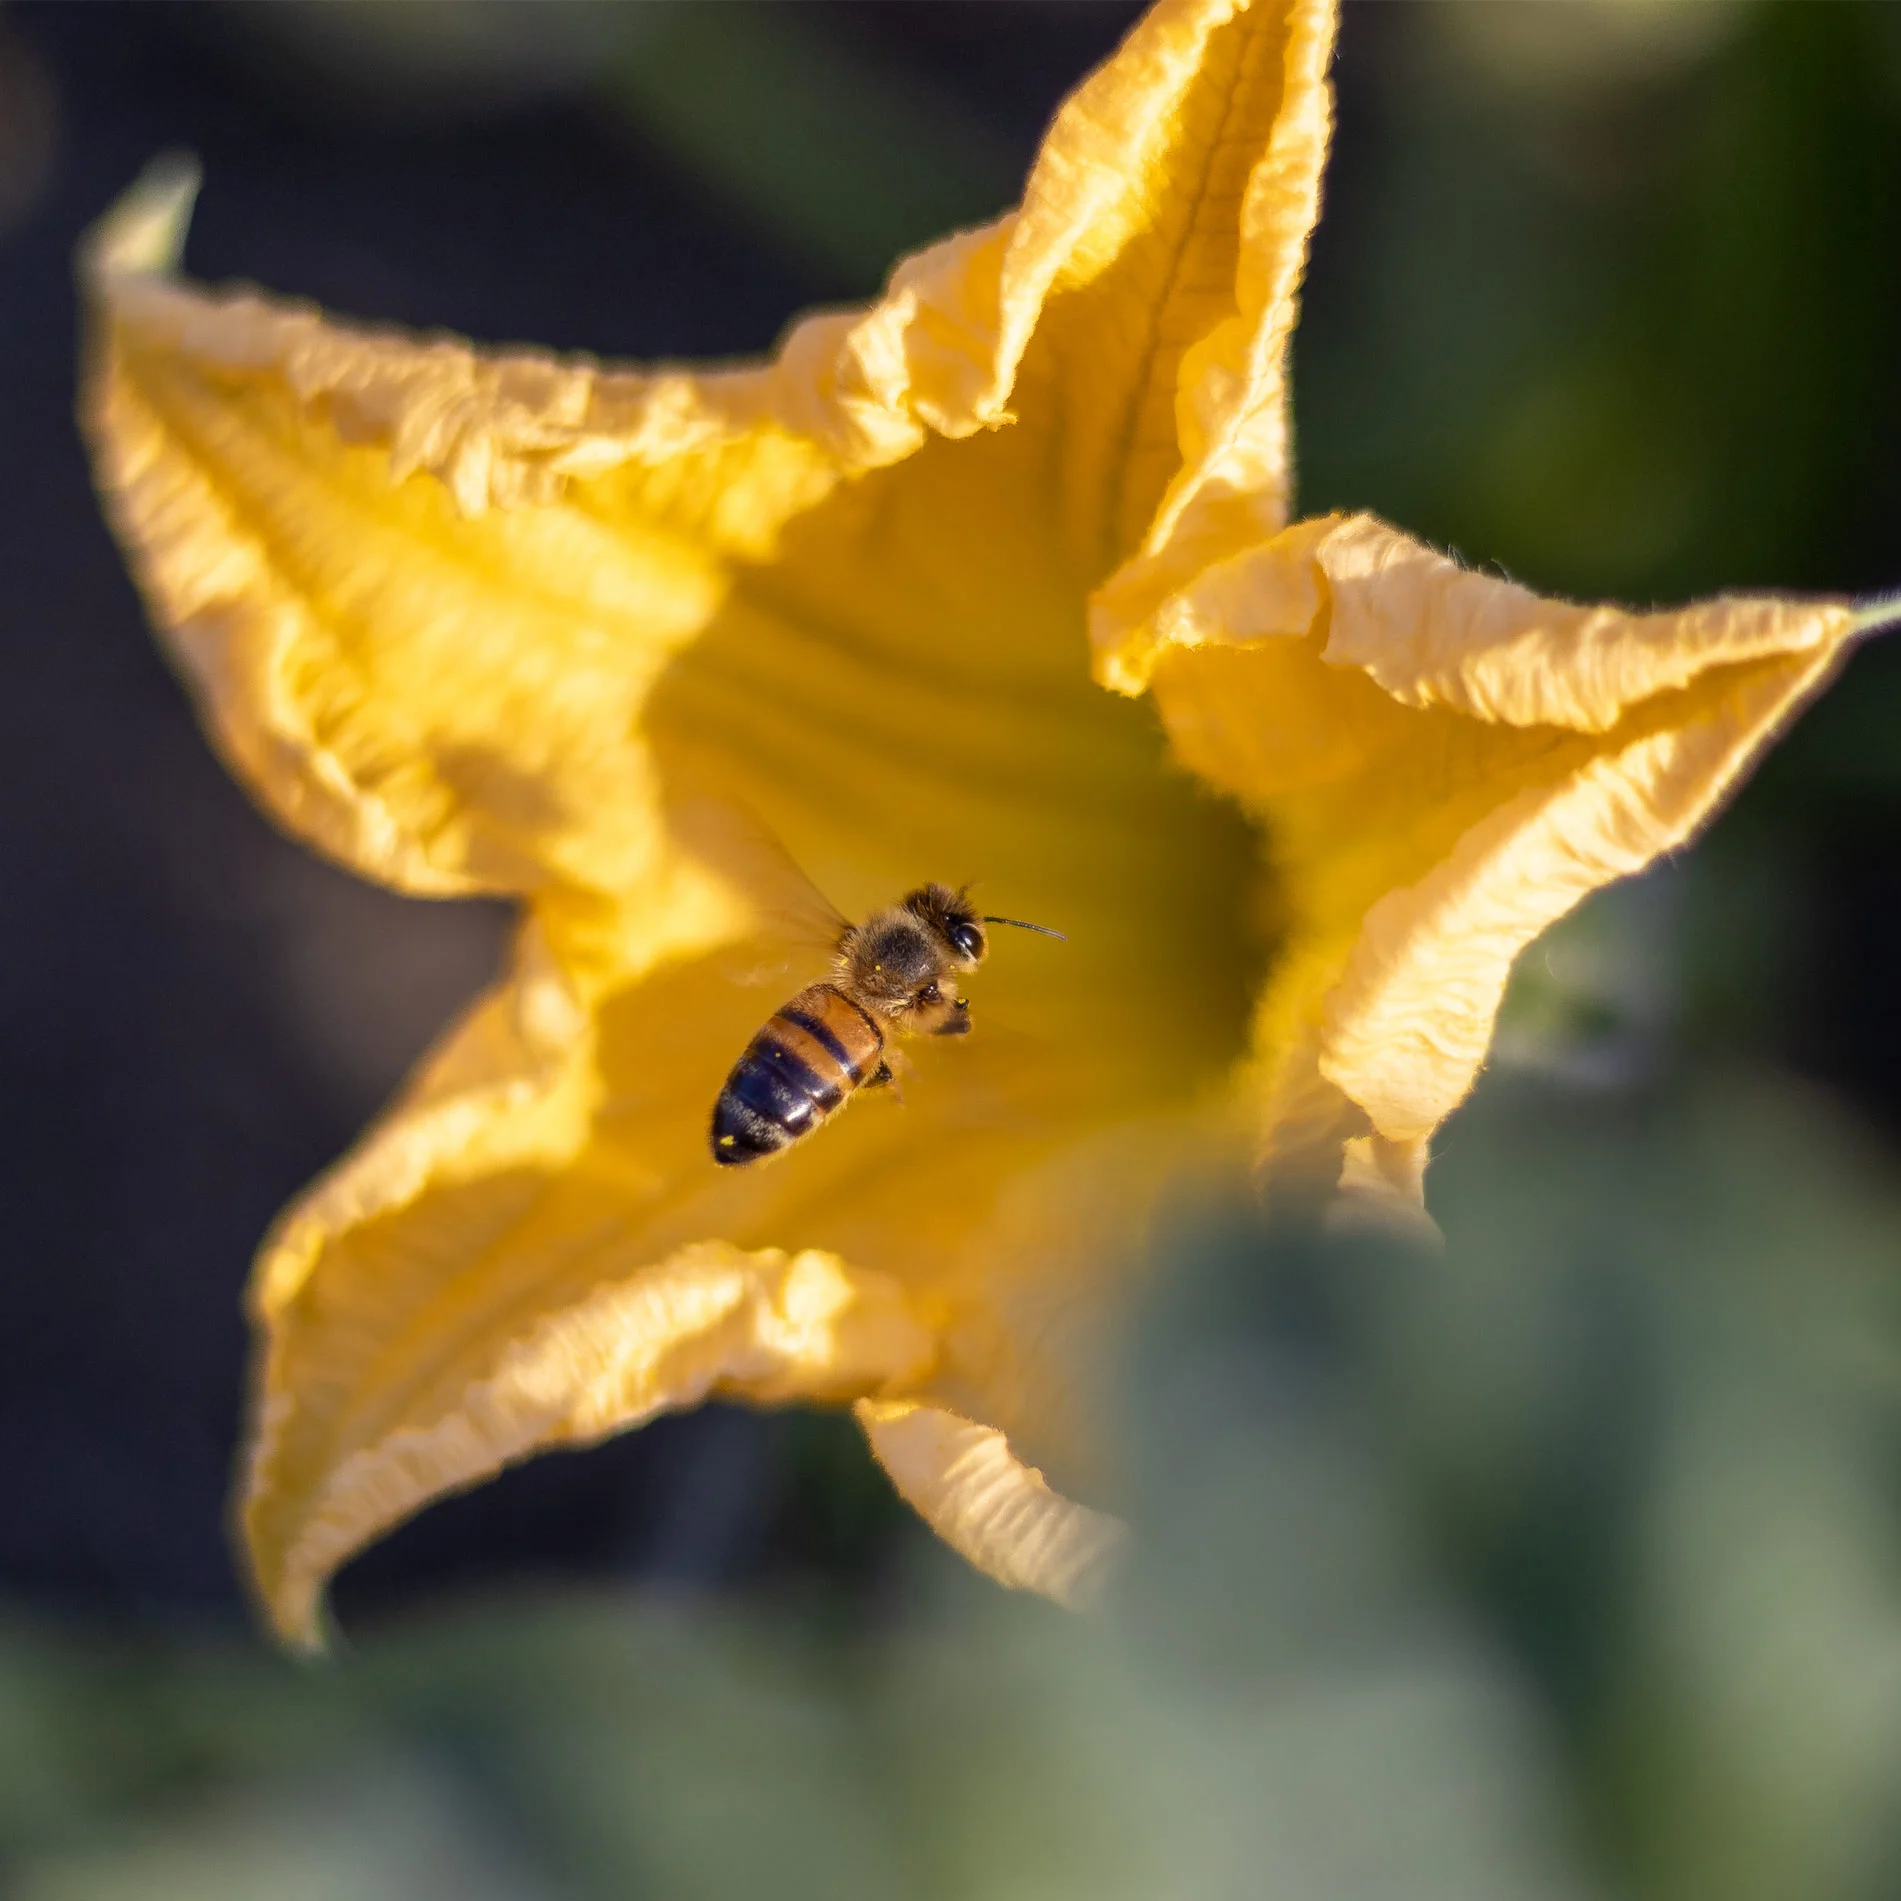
<point x="795" y="1072"/>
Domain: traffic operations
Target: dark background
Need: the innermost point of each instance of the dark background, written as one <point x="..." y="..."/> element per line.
<point x="1606" y="296"/>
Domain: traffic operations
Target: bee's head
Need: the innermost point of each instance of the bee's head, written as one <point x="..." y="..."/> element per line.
<point x="903" y="962"/>
<point x="948" y="916"/>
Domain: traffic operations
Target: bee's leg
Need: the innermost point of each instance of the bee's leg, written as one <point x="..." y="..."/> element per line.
<point x="886" y="1075"/>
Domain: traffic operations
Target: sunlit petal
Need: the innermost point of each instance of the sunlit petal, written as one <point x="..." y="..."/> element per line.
<point x="1445" y="764"/>
<point x="1167" y="217"/>
<point x="969" y="1487"/>
<point x="500" y="1269"/>
<point x="422" y="590"/>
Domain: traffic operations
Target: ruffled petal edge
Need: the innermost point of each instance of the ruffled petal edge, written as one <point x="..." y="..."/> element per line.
<point x="766" y="1326"/>
<point x="964" y="1481"/>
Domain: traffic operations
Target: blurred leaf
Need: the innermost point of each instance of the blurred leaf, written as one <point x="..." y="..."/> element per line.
<point x="384" y="1828"/>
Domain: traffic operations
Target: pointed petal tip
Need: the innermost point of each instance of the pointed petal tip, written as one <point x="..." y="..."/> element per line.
<point x="293" y="1610"/>
<point x="1878" y="613"/>
<point x="307" y="1637"/>
<point x="144" y="231"/>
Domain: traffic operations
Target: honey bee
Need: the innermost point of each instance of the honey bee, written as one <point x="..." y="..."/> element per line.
<point x="894" y="974"/>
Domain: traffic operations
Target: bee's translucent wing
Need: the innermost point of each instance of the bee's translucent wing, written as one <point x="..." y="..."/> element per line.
<point x="797" y="927"/>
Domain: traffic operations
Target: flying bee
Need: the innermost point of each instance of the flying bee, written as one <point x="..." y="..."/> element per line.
<point x="893" y="975"/>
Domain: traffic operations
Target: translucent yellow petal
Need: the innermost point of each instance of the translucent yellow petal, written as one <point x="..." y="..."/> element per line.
<point x="1161" y="242"/>
<point x="1411" y="1018"/>
<point x="503" y="427"/>
<point x="423" y="591"/>
<point x="510" y="1262"/>
<point x="763" y="1325"/>
<point x="972" y="1490"/>
<point x="1445" y="764"/>
<point x="1432" y="633"/>
<point x="441" y="700"/>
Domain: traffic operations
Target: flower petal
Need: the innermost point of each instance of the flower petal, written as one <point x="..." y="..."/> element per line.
<point x="501" y="1268"/>
<point x="1432" y="633"/>
<point x="1156" y="260"/>
<point x="442" y="700"/>
<point x="1445" y="764"/>
<point x="422" y="590"/>
<point x="972" y="1490"/>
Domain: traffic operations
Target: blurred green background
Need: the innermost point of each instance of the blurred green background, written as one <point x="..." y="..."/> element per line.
<point x="1563" y="1562"/>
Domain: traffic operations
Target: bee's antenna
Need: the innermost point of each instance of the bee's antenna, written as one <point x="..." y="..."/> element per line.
<point x="1044" y="929"/>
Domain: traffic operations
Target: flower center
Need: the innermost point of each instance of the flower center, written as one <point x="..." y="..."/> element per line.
<point x="934" y="720"/>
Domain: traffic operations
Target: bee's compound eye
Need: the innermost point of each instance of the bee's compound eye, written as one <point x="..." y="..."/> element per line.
<point x="966" y="940"/>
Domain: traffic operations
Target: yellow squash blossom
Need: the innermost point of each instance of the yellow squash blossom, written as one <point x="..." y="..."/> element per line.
<point x="991" y="580"/>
